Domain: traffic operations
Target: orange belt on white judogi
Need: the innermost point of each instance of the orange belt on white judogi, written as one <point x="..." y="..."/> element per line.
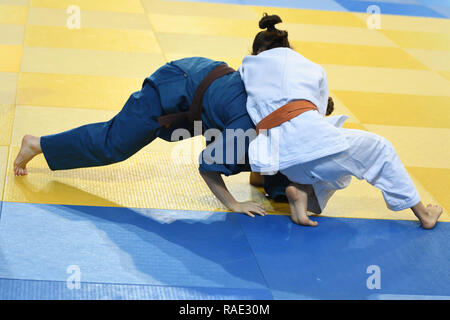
<point x="284" y="114"/>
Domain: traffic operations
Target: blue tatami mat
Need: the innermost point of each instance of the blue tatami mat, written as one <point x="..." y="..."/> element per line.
<point x="434" y="8"/>
<point x="299" y="4"/>
<point x="126" y="253"/>
<point x="445" y="11"/>
<point x="331" y="261"/>
<point x="434" y="2"/>
<point x="417" y="10"/>
<point x="125" y="246"/>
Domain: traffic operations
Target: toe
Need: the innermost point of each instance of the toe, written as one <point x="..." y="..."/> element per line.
<point x="308" y="222"/>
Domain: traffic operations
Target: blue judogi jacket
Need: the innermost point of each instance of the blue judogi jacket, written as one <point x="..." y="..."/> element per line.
<point x="224" y="107"/>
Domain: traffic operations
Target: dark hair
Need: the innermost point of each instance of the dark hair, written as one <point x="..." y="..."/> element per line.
<point x="330" y="106"/>
<point x="272" y="37"/>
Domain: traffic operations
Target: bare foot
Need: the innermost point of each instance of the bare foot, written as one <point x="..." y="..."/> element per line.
<point x="430" y="219"/>
<point x="31" y="147"/>
<point x="298" y="201"/>
<point x="428" y="216"/>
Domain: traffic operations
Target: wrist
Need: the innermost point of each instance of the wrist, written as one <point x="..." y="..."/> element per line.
<point x="234" y="206"/>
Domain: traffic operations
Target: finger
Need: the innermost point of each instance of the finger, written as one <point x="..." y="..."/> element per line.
<point x="250" y="214"/>
<point x="261" y="212"/>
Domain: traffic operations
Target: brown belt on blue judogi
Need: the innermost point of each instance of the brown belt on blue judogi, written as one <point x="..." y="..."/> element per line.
<point x="195" y="110"/>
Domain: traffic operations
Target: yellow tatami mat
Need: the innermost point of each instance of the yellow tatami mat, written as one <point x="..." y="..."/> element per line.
<point x="394" y="82"/>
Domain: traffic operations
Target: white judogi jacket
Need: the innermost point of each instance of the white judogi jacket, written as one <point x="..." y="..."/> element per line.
<point x="312" y="149"/>
<point x="272" y="79"/>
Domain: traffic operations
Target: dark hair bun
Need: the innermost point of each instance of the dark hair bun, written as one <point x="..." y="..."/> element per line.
<point x="269" y="22"/>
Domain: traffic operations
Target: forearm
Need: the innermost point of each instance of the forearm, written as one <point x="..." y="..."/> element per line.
<point x="218" y="188"/>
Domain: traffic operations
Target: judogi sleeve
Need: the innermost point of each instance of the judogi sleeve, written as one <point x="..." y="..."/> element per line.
<point x="323" y="90"/>
<point x="228" y="152"/>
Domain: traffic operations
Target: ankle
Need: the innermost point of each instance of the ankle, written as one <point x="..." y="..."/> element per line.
<point x="34" y="143"/>
<point x="419" y="210"/>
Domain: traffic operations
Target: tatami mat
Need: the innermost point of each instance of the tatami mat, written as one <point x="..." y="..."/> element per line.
<point x="393" y="81"/>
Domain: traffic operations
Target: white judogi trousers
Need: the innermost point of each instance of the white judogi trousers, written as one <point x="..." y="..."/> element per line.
<point x="370" y="157"/>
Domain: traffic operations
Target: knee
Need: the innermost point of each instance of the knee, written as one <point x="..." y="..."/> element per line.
<point x="111" y="159"/>
<point x="380" y="149"/>
<point x="113" y="154"/>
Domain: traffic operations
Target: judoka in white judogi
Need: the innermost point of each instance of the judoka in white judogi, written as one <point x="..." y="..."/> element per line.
<point x="312" y="149"/>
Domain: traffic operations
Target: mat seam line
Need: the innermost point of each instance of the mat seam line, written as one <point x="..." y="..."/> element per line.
<point x="256" y="259"/>
<point x="147" y="15"/>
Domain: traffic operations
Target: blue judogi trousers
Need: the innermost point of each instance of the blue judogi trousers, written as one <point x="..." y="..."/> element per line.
<point x="168" y="90"/>
<point x="104" y="143"/>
